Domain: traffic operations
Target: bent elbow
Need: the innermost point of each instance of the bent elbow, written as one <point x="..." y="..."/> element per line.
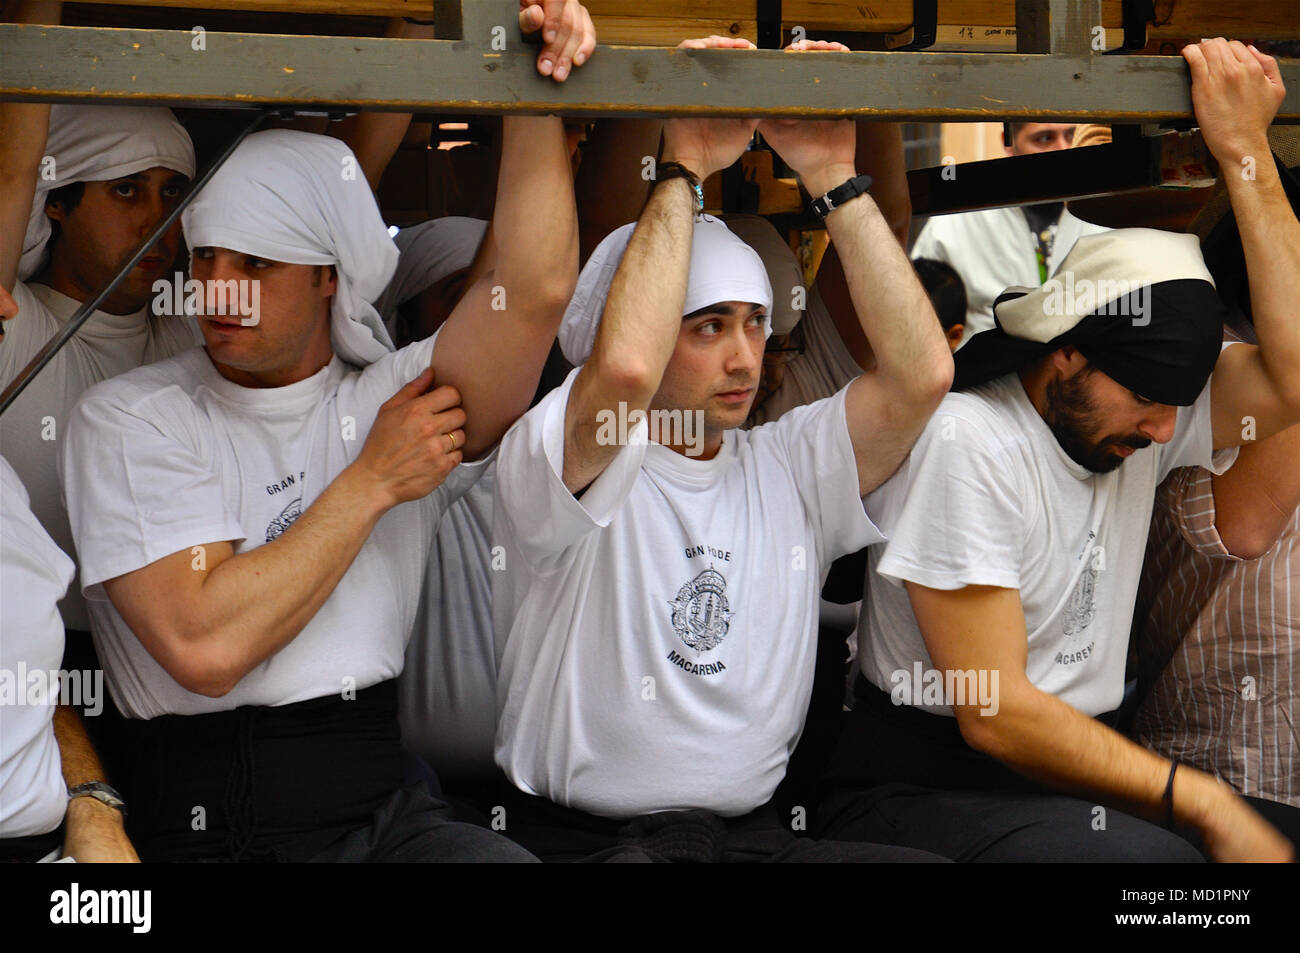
<point x="201" y="671"/>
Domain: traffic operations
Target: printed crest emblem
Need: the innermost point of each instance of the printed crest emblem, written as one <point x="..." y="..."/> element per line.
<point x="282" y="522"/>
<point x="1082" y="607"/>
<point x="701" y="613"/>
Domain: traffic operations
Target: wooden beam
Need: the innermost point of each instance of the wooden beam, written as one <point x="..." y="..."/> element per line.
<point x="80" y="64"/>
<point x="667" y="22"/>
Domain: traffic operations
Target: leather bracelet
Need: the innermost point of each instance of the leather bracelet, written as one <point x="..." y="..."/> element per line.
<point x="858" y="185"/>
<point x="675" y="170"/>
<point x="1168" y="797"/>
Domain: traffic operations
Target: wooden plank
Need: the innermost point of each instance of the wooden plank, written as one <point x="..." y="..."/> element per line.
<point x="1254" y="20"/>
<point x="420" y="9"/>
<point x="666" y="22"/>
<point x="891" y="16"/>
<point x="72" y="64"/>
<point x="665" y="31"/>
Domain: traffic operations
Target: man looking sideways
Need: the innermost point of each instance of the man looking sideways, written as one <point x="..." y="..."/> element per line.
<point x="253" y="517"/>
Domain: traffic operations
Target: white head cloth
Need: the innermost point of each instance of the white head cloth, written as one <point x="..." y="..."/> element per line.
<point x="723" y="268"/>
<point x="95" y="144"/>
<point x="301" y="198"/>
<point x="429" y="253"/>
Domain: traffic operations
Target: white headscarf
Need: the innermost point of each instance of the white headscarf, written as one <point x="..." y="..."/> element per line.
<point x="302" y="198"/>
<point x="95" y="144"/>
<point x="429" y="252"/>
<point x="723" y="268"/>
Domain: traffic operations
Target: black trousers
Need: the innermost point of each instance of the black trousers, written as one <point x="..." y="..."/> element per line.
<point x="905" y="777"/>
<point x="561" y="834"/>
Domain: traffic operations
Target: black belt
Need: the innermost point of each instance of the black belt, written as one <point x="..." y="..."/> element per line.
<point x="29" y="849"/>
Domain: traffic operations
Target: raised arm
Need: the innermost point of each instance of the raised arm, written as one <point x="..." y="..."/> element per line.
<point x="208" y="617"/>
<point x="1236" y="91"/>
<point x="495" y="343"/>
<point x="24" y="127"/>
<point x="1256" y="498"/>
<point x="1042" y="737"/>
<point x="879" y="152"/>
<point x="888" y="406"/>
<point x="643" y="313"/>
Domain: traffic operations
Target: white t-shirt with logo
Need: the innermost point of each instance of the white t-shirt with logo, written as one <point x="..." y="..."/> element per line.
<point x="33" y="576"/>
<point x="656" y="637"/>
<point x="172" y="456"/>
<point x="33" y="428"/>
<point x="988" y="498"/>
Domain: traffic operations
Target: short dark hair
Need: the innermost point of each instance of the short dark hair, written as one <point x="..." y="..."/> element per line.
<point x="69" y="197"/>
<point x="946" y="290"/>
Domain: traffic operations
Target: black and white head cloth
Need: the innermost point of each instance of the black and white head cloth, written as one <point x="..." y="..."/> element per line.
<point x="1138" y="303"/>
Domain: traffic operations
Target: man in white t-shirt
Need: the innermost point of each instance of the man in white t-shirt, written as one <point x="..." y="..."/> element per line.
<point x="253" y="518"/>
<point x="42" y="740"/>
<point x="656" y="614"/>
<point x="995" y="630"/>
<point x="995" y="248"/>
<point x="90" y="183"/>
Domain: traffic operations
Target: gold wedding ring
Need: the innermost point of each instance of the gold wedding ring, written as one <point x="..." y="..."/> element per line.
<point x="452" y="438"/>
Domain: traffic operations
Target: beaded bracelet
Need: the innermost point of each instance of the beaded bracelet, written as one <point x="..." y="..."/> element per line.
<point x="675" y="170"/>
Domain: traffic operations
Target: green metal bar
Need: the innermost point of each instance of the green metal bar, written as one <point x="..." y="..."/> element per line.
<point x="83" y="64"/>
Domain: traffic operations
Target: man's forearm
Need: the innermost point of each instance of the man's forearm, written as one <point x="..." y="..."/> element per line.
<point x="81" y="764"/>
<point x="1270" y="238"/>
<point x="643" y="313"/>
<point x="261" y="599"/>
<point x="892" y="307"/>
<point x="24" y="127"/>
<point x="1051" y="742"/>
<point x="249" y="606"/>
<point x="638" y="332"/>
<point x="93" y="831"/>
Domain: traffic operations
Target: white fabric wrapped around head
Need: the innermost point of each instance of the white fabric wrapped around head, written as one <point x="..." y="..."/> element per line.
<point x="301" y="198"/>
<point x="723" y="268"/>
<point x="96" y="144"/>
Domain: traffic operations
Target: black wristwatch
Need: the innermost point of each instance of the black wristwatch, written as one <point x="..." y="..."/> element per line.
<point x="841" y="194"/>
<point x="100" y="792"/>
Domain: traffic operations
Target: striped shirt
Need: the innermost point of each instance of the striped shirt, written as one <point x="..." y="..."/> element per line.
<point x="1217" y="642"/>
